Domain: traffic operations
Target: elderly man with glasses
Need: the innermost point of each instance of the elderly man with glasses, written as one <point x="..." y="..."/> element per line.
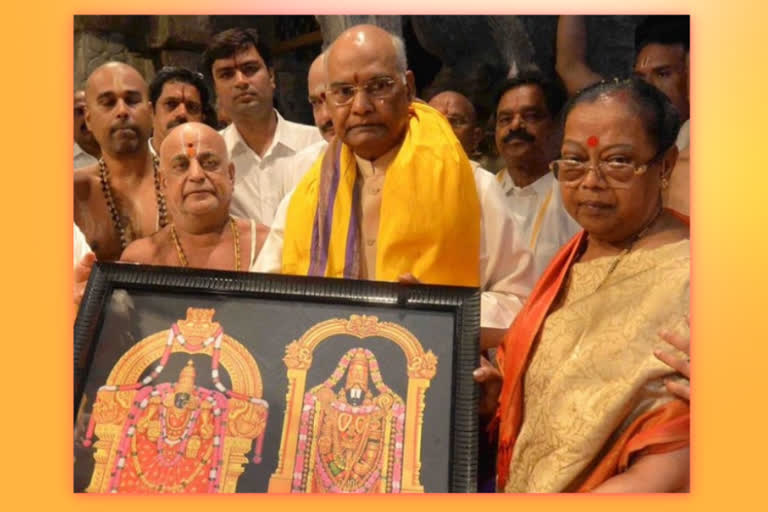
<point x="393" y="196"/>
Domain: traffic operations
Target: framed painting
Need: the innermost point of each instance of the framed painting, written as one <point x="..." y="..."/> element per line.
<point x="198" y="381"/>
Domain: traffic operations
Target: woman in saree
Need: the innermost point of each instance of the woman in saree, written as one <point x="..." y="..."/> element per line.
<point x="585" y="402"/>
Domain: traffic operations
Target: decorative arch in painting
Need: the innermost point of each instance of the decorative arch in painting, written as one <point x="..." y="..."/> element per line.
<point x="421" y="367"/>
<point x="197" y="334"/>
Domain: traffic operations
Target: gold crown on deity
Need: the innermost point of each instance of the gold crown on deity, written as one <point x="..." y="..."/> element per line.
<point x="186" y="381"/>
<point x="357" y="372"/>
<point x="199" y="325"/>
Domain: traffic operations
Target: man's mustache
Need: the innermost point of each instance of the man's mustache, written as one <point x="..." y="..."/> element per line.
<point x="124" y="126"/>
<point x="520" y="133"/>
<point x="176" y="122"/>
<point x="326" y="127"/>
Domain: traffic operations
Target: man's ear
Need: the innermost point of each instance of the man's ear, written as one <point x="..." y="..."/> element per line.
<point x="272" y="78"/>
<point x="410" y="83"/>
<point x="87" y="117"/>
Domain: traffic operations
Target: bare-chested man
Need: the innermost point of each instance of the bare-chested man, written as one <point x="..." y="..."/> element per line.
<point x="118" y="200"/>
<point x="197" y="179"/>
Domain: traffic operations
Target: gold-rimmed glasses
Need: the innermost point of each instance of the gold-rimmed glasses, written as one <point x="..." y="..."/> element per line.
<point x="379" y="87"/>
<point x="616" y="174"/>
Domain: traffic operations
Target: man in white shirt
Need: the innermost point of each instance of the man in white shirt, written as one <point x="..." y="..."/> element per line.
<point x="372" y="124"/>
<point x="258" y="138"/>
<point x="297" y="165"/>
<point x="527" y="106"/>
<point x="86" y="150"/>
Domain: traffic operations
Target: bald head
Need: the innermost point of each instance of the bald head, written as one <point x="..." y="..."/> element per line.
<point x="189" y="139"/>
<point x="196" y="173"/>
<point x="316" y="83"/>
<point x="361" y="37"/>
<point x="369" y="90"/>
<point x="118" y="111"/>
<point x="461" y="115"/>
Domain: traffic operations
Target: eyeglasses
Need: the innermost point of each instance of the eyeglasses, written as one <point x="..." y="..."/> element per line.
<point x="616" y="174"/>
<point x="343" y="94"/>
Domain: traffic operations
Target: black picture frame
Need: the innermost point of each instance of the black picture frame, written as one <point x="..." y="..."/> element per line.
<point x="455" y="306"/>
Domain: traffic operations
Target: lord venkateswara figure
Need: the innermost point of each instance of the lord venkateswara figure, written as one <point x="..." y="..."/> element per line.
<point x="352" y="433"/>
<point x="177" y="437"/>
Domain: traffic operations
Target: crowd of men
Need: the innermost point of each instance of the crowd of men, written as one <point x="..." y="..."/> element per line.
<point x="382" y="187"/>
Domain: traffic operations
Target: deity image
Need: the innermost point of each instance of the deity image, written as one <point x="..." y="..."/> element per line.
<point x="359" y="434"/>
<point x="352" y="433"/>
<point x="177" y="437"/>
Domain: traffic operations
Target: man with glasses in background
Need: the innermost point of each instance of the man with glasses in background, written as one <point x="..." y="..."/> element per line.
<point x="526" y="111"/>
<point x="423" y="222"/>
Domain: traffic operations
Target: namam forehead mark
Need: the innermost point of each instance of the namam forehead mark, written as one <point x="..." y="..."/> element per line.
<point x="190" y="141"/>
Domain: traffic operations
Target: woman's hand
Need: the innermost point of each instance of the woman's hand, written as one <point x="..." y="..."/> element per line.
<point x="490" y="380"/>
<point x="682" y="366"/>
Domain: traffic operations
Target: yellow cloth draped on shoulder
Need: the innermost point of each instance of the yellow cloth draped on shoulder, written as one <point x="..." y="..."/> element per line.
<point x="430" y="212"/>
<point x="583" y="392"/>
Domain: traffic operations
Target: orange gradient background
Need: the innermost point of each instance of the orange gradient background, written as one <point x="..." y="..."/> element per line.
<point x="729" y="289"/>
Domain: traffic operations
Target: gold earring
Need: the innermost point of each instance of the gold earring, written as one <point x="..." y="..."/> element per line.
<point x="664" y="183"/>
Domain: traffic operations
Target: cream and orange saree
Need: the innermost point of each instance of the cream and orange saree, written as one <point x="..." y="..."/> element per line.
<point x="583" y="392"/>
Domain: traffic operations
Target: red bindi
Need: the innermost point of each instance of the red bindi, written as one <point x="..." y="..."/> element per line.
<point x="592" y="141"/>
<point x="190" y="150"/>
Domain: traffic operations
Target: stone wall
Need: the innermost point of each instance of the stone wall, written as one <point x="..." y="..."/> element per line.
<point x="469" y="53"/>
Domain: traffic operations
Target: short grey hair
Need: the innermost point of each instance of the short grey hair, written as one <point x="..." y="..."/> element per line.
<point x="401" y="61"/>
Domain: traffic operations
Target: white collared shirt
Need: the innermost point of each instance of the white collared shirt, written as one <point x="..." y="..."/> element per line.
<point x="298" y="165"/>
<point x="259" y="181"/>
<point x="505" y="263"/>
<point x="81" y="158"/>
<point x="546" y="226"/>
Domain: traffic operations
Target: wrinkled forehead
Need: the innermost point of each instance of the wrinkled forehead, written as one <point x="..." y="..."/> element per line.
<point x="352" y="61"/>
<point x="193" y="139"/>
<point x="452" y="104"/>
<point x="656" y="54"/>
<point x="115" y="79"/>
<point x="177" y="88"/>
<point x="522" y="97"/>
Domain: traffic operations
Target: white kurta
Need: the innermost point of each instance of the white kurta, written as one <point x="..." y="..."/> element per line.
<point x="505" y="262"/>
<point x="545" y="224"/>
<point x="259" y="181"/>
